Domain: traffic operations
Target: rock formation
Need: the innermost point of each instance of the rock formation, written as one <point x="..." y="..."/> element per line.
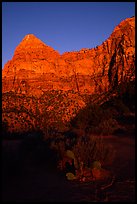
<point x="42" y="88"/>
<point x="36" y="67"/>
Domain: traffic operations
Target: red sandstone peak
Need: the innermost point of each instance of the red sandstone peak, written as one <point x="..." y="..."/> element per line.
<point x="125" y="27"/>
<point x="30" y="37"/>
<point x="31" y="48"/>
<point x="128" y="21"/>
<point x="90" y="70"/>
<point x="30" y="41"/>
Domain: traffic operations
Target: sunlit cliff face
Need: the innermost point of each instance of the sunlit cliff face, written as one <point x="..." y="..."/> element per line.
<point x="86" y="71"/>
<point x="63" y="83"/>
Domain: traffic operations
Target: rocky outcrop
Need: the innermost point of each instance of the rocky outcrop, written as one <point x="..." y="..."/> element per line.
<point x="36" y="67"/>
<point x="43" y="89"/>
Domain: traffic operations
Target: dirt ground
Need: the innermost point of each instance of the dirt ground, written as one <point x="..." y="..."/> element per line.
<point x="38" y="183"/>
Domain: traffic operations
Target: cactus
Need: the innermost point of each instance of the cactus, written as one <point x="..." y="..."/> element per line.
<point x="96" y="164"/>
<point x="70" y="154"/>
<point x="70" y="176"/>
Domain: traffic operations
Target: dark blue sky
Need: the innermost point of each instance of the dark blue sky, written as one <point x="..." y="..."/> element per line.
<point x="65" y="26"/>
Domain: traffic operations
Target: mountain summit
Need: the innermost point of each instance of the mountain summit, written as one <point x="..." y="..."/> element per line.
<point x="30" y="41"/>
<point x="33" y="48"/>
<point x="31" y="37"/>
<point x="88" y="70"/>
<point x="43" y="89"/>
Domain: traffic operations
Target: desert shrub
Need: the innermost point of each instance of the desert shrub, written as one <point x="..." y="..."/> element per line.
<point x="86" y="151"/>
<point x="99" y="119"/>
<point x="120" y="106"/>
<point x="93" y="149"/>
<point x="106" y="127"/>
<point x="59" y="147"/>
<point x="89" y="116"/>
<point x="126" y="91"/>
<point x="4" y="128"/>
